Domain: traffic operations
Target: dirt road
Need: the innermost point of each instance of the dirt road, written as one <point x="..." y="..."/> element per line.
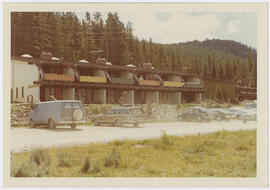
<point x="23" y="139"/>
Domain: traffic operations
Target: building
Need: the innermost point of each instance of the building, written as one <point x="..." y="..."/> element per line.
<point x="104" y="83"/>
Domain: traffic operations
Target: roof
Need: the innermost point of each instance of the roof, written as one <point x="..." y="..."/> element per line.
<point x="50" y="62"/>
<point x="59" y="101"/>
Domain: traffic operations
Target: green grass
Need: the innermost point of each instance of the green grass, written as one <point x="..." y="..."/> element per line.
<point x="220" y="154"/>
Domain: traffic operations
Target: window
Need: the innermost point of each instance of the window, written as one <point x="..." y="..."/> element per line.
<point x="22" y="92"/>
<point x="68" y="105"/>
<point x="11" y="93"/>
<point x="76" y="105"/>
<point x="17" y="93"/>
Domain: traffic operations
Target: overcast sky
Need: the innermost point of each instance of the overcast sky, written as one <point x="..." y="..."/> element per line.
<point x="174" y="27"/>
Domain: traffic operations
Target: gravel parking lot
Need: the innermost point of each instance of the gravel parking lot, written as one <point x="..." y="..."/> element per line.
<point x="23" y="139"/>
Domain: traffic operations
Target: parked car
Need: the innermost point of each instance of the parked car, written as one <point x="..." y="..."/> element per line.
<point x="59" y="112"/>
<point x="235" y="112"/>
<point x="120" y="115"/>
<point x="218" y="114"/>
<point x="194" y="113"/>
<point x="249" y="116"/>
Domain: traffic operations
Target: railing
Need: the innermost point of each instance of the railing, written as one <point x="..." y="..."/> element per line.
<point x="59" y="77"/>
<point x="173" y="84"/>
<point x="115" y="80"/>
<point x="193" y="85"/>
<point x="93" y="79"/>
<point x="149" y="82"/>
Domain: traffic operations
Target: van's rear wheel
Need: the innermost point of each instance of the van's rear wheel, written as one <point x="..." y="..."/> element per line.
<point x="52" y="124"/>
<point x="73" y="125"/>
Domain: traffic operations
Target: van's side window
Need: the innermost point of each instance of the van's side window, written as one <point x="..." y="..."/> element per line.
<point x="67" y="105"/>
<point x="76" y="105"/>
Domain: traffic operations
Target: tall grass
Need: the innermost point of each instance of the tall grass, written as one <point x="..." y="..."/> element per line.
<point x="221" y="154"/>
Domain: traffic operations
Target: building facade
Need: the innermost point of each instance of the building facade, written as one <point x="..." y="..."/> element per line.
<point x="102" y="83"/>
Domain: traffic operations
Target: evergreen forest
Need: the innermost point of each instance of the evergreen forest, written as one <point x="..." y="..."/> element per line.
<point x="71" y="39"/>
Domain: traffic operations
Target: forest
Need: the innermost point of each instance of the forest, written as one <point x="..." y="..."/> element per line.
<point x="71" y="39"/>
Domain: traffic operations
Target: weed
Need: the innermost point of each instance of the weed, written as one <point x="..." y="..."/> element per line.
<point x="64" y="159"/>
<point x="118" y="142"/>
<point x="86" y="165"/>
<point x="28" y="169"/>
<point x="40" y="157"/>
<point x="165" y="139"/>
<point x="241" y="147"/>
<point x="95" y="168"/>
<point x="113" y="160"/>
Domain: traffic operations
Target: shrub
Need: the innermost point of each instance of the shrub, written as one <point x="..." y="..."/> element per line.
<point x="27" y="169"/>
<point x="118" y="142"/>
<point x="165" y="139"/>
<point x="86" y="165"/>
<point x="95" y="168"/>
<point x="64" y="159"/>
<point x="40" y="157"/>
<point x="113" y="160"/>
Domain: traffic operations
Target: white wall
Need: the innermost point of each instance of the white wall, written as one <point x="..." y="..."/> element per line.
<point x="23" y="75"/>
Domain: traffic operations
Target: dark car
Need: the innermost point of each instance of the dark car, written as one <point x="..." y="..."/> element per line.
<point x="120" y="115"/>
<point x="219" y="114"/>
<point x="249" y="116"/>
<point x="59" y="112"/>
<point x="194" y="113"/>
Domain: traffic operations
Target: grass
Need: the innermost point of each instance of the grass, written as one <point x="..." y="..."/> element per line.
<point x="220" y="154"/>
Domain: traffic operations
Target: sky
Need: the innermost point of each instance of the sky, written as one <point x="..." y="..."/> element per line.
<point x="175" y="27"/>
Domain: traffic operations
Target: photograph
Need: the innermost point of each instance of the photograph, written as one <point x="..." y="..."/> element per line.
<point x="111" y="91"/>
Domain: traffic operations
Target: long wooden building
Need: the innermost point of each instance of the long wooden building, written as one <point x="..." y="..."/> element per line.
<point x="101" y="83"/>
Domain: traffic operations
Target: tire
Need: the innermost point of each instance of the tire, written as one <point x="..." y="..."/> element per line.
<point x="179" y="118"/>
<point x="51" y="123"/>
<point x="77" y="115"/>
<point x="73" y="126"/>
<point x="32" y="124"/>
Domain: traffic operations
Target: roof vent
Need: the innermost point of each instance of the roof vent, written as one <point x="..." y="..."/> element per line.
<point x="26" y="55"/>
<point x="83" y="61"/>
<point x="130" y="65"/>
<point x="55" y="58"/>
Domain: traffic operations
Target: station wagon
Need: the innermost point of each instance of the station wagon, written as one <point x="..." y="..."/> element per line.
<point x="52" y="113"/>
<point x="120" y="115"/>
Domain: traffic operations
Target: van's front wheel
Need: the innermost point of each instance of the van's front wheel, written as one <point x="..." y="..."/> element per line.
<point x="51" y="123"/>
<point x="73" y="125"/>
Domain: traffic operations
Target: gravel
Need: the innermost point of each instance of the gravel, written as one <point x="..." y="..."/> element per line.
<point x="23" y="139"/>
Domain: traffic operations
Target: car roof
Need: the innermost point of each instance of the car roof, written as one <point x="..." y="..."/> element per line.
<point x="59" y="101"/>
<point x="126" y="108"/>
